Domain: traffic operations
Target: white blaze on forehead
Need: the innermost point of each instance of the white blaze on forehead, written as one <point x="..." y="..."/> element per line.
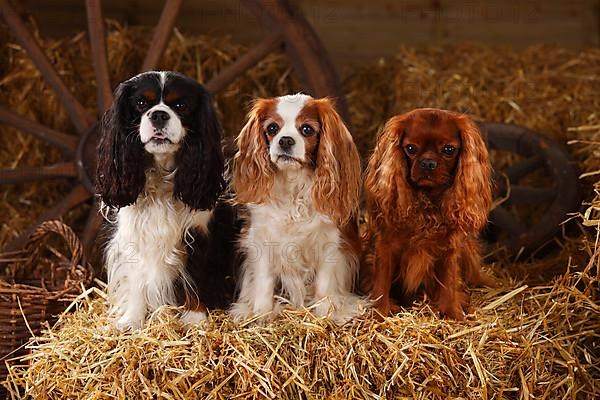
<point x="163" y="78"/>
<point x="288" y="108"/>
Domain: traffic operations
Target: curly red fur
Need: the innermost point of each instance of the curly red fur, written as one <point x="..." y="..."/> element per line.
<point x="336" y="187"/>
<point x="253" y="171"/>
<point x="424" y="222"/>
<point x="468" y="201"/>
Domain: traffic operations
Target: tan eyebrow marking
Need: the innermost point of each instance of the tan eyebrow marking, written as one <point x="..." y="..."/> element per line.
<point x="269" y="118"/>
<point x="171" y="97"/>
<point x="149" y="95"/>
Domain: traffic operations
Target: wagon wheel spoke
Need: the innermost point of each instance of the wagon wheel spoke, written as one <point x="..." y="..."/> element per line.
<point x="245" y="62"/>
<point x="99" y="55"/>
<point x="520" y="170"/>
<point x="530" y="195"/>
<point x="162" y="33"/>
<point x="31" y="174"/>
<point x="92" y="227"/>
<point x="303" y="47"/>
<point x="76" y="196"/>
<point x="75" y="110"/>
<point x="504" y="220"/>
<point x="66" y="143"/>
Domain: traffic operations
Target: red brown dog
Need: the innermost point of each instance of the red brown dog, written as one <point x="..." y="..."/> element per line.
<point x="429" y="192"/>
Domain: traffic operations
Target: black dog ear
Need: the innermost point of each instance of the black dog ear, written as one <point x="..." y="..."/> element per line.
<point x="199" y="178"/>
<point x="121" y="165"/>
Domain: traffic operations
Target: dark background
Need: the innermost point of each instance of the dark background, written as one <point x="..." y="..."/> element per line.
<point x="359" y="31"/>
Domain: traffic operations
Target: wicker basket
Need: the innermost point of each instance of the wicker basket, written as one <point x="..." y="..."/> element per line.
<point x="36" y="288"/>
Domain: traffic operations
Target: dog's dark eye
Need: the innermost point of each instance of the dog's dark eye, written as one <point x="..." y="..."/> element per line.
<point x="180" y="106"/>
<point x="307" y="130"/>
<point x="449" y="150"/>
<point x="411" y="149"/>
<point x="272" y="129"/>
<point x="141" y="103"/>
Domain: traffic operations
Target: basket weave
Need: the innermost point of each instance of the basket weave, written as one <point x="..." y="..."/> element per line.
<point x="36" y="289"/>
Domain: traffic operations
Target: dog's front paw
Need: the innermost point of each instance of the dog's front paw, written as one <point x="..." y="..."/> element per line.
<point x="341" y="309"/>
<point x="383" y="307"/>
<point x="129" y="323"/>
<point x="240" y="312"/>
<point x="453" y="311"/>
<point x="189" y="318"/>
<point x="244" y="311"/>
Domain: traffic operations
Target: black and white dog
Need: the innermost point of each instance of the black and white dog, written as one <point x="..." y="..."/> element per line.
<point x="160" y="178"/>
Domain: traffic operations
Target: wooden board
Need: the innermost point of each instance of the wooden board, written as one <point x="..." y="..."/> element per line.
<point x="359" y="31"/>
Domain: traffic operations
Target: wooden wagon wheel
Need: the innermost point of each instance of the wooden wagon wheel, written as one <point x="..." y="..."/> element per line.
<point x="539" y="155"/>
<point x="287" y="28"/>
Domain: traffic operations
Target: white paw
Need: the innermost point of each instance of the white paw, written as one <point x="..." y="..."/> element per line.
<point x="240" y="312"/>
<point x="189" y="318"/>
<point x="126" y="323"/>
<point x="322" y="308"/>
<point x="243" y="311"/>
<point x="341" y="309"/>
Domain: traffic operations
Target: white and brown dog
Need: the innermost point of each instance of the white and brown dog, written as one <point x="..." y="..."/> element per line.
<point x="297" y="172"/>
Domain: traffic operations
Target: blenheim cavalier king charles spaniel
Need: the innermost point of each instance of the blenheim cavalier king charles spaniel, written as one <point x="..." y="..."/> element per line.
<point x="159" y="176"/>
<point x="297" y="172"/>
<point x="429" y="192"/>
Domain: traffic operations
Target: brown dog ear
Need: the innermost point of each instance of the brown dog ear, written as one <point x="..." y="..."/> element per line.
<point x="336" y="185"/>
<point x="389" y="195"/>
<point x="253" y="172"/>
<point x="467" y="203"/>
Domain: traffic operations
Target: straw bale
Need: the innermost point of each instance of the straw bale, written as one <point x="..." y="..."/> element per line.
<point x="522" y="341"/>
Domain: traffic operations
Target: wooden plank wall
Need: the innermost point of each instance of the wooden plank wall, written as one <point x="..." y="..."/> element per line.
<point x="360" y="31"/>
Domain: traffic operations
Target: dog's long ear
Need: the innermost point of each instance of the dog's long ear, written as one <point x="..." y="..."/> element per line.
<point x="336" y="186"/>
<point x="389" y="195"/>
<point x="467" y="203"/>
<point x="121" y="165"/>
<point x="253" y="172"/>
<point x="199" y="177"/>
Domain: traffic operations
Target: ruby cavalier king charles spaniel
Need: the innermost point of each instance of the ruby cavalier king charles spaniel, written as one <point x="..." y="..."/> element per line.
<point x="428" y="191"/>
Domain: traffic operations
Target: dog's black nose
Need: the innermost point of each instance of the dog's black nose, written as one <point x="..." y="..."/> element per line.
<point x="428" y="165"/>
<point x="159" y="118"/>
<point x="286" y="142"/>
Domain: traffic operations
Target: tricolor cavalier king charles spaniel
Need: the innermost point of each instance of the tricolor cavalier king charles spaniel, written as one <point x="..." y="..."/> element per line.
<point x="297" y="172"/>
<point x="429" y="192"/>
<point x="159" y="176"/>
